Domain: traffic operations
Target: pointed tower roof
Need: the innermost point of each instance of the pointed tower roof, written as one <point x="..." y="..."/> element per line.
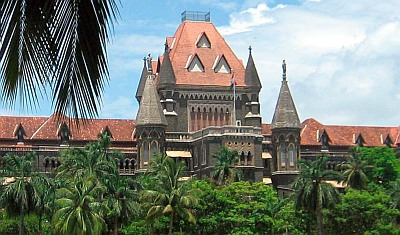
<point x="285" y="115"/>
<point x="145" y="72"/>
<point x="166" y="77"/>
<point x="251" y="76"/>
<point x="150" y="110"/>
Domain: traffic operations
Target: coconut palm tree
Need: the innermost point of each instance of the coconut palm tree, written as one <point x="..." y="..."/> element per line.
<point x="312" y="192"/>
<point x="21" y="193"/>
<point x="354" y="170"/>
<point x="173" y="197"/>
<point x="93" y="160"/>
<point x="56" y="44"/>
<point x="78" y="210"/>
<point x="122" y="200"/>
<point x="224" y="170"/>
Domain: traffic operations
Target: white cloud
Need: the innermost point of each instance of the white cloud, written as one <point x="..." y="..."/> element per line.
<point x="245" y="20"/>
<point x="342" y="58"/>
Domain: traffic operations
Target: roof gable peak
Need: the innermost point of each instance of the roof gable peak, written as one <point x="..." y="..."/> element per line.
<point x="194" y="64"/>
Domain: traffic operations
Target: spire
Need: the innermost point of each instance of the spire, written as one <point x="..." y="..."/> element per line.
<point x="150" y="110"/>
<point x="166" y="77"/>
<point x="143" y="78"/>
<point x="251" y="76"/>
<point x="285" y="115"/>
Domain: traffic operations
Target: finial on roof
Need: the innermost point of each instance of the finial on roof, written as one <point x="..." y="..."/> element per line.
<point x="284" y="70"/>
<point x="149" y="67"/>
<point x="250" y="49"/>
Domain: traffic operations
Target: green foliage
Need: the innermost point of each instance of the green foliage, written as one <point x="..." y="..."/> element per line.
<point x="362" y="212"/>
<point x="385" y="162"/>
<point x="224" y="170"/>
<point x="354" y="170"/>
<point x="237" y="208"/>
<point x="169" y="195"/>
<point x="312" y="192"/>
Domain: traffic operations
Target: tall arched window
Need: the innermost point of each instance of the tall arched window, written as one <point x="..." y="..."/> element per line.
<point x="291" y="155"/>
<point x="283" y="154"/>
<point x="145" y="155"/>
<point x="154" y="148"/>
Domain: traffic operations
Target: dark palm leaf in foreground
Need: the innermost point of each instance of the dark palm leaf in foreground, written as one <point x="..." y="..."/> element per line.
<point x="56" y="44"/>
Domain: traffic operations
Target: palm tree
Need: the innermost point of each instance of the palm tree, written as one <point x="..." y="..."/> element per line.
<point x="22" y="194"/>
<point x="224" y="170"/>
<point x="56" y="44"/>
<point x="172" y="197"/>
<point x="122" y="200"/>
<point x="354" y="170"/>
<point x="312" y="192"/>
<point x="93" y="160"/>
<point x="79" y="211"/>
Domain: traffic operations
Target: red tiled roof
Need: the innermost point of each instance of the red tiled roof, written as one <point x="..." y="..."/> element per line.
<point x="45" y="128"/>
<point x="266" y="129"/>
<point x="185" y="45"/>
<point x="346" y="135"/>
<point x="30" y="125"/>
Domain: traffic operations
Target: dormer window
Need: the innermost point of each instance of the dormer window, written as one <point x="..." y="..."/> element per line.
<point x="194" y="64"/>
<point x="388" y="141"/>
<point x="360" y="141"/>
<point x="324" y="140"/>
<point x="63" y="132"/>
<point x="19" y="132"/>
<point x="221" y="65"/>
<point x="106" y="131"/>
<point x="203" y="41"/>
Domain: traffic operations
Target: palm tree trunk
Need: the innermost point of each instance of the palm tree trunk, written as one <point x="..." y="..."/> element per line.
<point x="21" y="221"/>
<point x="116" y="225"/>
<point x="319" y="212"/>
<point x="171" y="222"/>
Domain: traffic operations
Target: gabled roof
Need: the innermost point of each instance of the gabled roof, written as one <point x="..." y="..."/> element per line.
<point x="346" y="135"/>
<point x="203" y="41"/>
<point x="285" y="115"/>
<point x="45" y="128"/>
<point x="184" y="45"/>
<point x="221" y="65"/>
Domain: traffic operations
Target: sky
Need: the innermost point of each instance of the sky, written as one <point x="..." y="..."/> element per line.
<point x="343" y="57"/>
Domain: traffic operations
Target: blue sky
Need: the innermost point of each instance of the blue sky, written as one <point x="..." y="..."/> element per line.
<point x="342" y="56"/>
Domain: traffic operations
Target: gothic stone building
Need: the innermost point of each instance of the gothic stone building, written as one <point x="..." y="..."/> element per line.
<point x="188" y="110"/>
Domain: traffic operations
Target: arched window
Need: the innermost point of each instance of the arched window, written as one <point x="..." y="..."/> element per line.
<point x="249" y="159"/>
<point x="242" y="159"/>
<point x="291" y="155"/>
<point x="154" y="148"/>
<point x="283" y="154"/>
<point x="145" y="155"/>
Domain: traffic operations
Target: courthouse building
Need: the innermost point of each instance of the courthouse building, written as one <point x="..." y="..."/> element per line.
<point x="195" y="98"/>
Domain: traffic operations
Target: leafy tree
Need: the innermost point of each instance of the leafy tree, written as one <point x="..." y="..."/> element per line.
<point x="23" y="194"/>
<point x="78" y="210"/>
<point x="385" y="162"/>
<point x="224" y="170"/>
<point x="312" y="192"/>
<point x="59" y="45"/>
<point x="362" y="212"/>
<point x="354" y="170"/>
<point x="171" y="197"/>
